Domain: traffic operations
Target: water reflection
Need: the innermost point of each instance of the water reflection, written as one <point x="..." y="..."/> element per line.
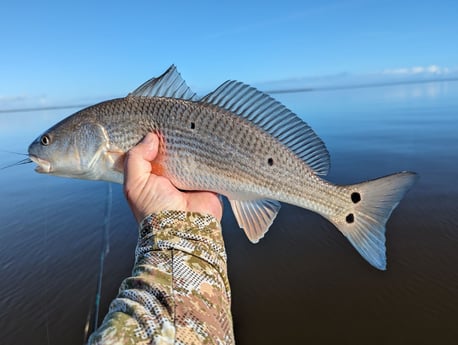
<point x="423" y="91"/>
<point x="303" y="283"/>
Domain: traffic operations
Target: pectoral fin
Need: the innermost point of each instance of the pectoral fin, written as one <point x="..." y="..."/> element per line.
<point x="255" y="216"/>
<point x="116" y="160"/>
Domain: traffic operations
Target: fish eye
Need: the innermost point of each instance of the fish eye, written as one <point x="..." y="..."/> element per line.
<point x="45" y="140"/>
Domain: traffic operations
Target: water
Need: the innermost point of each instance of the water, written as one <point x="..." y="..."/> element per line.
<point x="303" y="283"/>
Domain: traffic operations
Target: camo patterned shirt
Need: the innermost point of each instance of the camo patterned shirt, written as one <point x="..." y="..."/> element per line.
<point x="179" y="291"/>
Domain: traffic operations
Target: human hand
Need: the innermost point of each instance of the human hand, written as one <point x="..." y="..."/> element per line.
<point x="148" y="193"/>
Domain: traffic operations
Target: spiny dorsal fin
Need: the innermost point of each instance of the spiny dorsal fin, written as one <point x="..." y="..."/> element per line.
<point x="255" y="216"/>
<point x="169" y="84"/>
<point x="274" y="118"/>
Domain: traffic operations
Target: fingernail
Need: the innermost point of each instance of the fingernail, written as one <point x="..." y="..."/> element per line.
<point x="148" y="139"/>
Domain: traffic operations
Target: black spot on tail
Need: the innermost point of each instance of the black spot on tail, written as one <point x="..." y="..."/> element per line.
<point x="355" y="197"/>
<point x="350" y="218"/>
<point x="193" y="125"/>
<point x="270" y="161"/>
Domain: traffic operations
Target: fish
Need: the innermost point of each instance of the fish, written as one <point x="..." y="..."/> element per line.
<point x="236" y="141"/>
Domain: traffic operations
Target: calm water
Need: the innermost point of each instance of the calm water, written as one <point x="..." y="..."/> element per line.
<point x="303" y="283"/>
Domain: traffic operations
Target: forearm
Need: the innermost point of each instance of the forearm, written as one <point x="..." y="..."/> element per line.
<point x="179" y="291"/>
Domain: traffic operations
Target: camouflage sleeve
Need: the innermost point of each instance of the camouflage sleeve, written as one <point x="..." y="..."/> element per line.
<point x="179" y="291"/>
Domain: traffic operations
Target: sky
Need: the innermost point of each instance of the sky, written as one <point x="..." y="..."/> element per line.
<point x="55" y="52"/>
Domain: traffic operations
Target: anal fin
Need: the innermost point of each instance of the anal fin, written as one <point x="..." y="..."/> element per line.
<point x="255" y="216"/>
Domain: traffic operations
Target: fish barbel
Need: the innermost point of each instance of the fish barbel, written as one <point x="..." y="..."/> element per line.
<point x="235" y="141"/>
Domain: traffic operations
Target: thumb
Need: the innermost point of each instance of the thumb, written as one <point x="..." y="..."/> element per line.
<point x="137" y="165"/>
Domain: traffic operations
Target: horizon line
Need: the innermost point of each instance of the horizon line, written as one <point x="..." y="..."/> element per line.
<point x="360" y="86"/>
<point x="272" y="91"/>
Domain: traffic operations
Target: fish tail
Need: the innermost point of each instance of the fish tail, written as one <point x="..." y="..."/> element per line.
<point x="371" y="204"/>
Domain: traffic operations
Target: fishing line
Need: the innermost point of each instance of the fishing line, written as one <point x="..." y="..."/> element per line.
<point x="24" y="161"/>
<point x="15" y="153"/>
<point x="46" y="264"/>
<point x="94" y="310"/>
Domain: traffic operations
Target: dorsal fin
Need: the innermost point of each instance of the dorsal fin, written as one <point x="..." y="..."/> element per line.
<point x="274" y="118"/>
<point x="169" y="84"/>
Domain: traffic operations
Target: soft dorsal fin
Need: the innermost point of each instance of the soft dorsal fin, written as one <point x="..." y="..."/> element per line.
<point x="274" y="118"/>
<point x="255" y="216"/>
<point x="169" y="84"/>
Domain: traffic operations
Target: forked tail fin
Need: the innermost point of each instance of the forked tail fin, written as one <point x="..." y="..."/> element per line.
<point x="370" y="206"/>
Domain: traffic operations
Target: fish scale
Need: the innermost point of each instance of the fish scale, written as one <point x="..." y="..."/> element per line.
<point x="235" y="141"/>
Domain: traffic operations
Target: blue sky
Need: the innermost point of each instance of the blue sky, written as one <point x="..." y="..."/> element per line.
<point x="55" y="52"/>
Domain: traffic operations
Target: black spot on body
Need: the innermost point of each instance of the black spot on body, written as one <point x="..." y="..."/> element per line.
<point x="355" y="197"/>
<point x="193" y="125"/>
<point x="350" y="218"/>
<point x="270" y="161"/>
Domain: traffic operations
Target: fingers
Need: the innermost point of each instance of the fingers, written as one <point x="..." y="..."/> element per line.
<point x="148" y="192"/>
<point x="137" y="164"/>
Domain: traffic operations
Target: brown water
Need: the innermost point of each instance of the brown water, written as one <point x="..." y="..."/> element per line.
<point x="303" y="283"/>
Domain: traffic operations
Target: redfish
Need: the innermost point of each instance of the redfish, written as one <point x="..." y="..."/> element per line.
<point x="235" y="141"/>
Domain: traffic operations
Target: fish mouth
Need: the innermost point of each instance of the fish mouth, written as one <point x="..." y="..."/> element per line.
<point x="43" y="166"/>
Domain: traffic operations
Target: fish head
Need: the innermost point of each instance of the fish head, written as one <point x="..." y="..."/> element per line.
<point x="75" y="147"/>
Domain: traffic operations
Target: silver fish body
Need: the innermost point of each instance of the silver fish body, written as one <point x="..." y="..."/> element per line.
<point x="236" y="141"/>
